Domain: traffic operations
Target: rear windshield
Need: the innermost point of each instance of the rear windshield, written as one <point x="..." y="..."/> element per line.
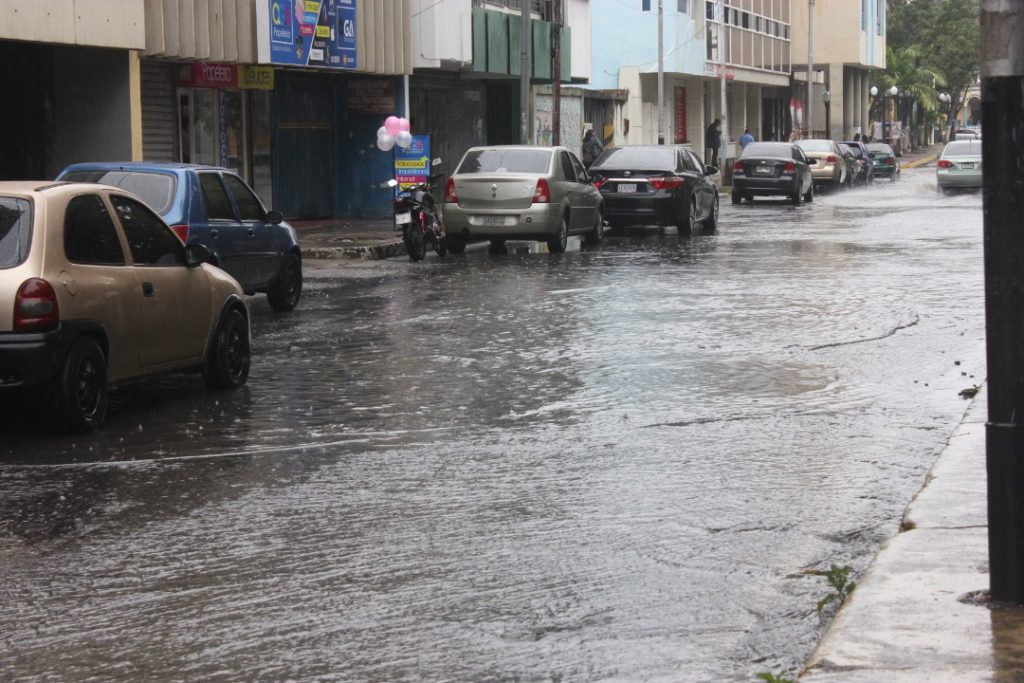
<point x="157" y="189"/>
<point x="815" y="145"/>
<point x="768" y="149"/>
<point x="506" y="161"/>
<point x="637" y="159"/>
<point x="879" y="147"/>
<point x="15" y="231"/>
<point x="962" y="148"/>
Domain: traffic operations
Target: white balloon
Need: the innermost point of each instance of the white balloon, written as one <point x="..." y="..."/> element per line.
<point x="382" y="131"/>
<point x="403" y="139"/>
<point x="385" y="142"/>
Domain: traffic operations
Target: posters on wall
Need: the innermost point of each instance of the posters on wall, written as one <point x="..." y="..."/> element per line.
<point x="318" y="33"/>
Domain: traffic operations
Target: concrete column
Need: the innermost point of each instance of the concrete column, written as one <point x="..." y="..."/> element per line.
<point x="866" y="97"/>
<point x="848" y="102"/>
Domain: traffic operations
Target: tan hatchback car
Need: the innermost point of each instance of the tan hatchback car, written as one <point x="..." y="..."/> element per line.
<point x="96" y="289"/>
<point x="519" y="192"/>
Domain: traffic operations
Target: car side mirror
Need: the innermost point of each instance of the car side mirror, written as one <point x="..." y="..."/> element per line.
<point x="196" y="254"/>
<point x="274" y="217"/>
<point x="710" y="170"/>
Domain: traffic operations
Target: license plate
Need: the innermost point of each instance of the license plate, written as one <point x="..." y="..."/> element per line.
<point x="403" y="218"/>
<point x="763" y="170"/>
<point x="967" y="164"/>
<point x="626" y="188"/>
<point x="494" y="220"/>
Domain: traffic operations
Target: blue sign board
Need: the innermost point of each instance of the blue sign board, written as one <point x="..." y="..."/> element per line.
<point x="412" y="165"/>
<point x="313" y="33"/>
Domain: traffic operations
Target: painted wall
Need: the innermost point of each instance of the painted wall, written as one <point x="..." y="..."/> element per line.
<point x="625" y="37"/>
<point x="572" y="120"/>
<point x="839" y="36"/>
<point x="441" y="32"/>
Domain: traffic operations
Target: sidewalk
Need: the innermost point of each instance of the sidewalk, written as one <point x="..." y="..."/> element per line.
<point x="908" y="620"/>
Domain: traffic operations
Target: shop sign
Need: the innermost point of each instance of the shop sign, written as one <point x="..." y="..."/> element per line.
<point x="256" y="77"/>
<point x="307" y="33"/>
<point x="412" y="165"/>
<point x="206" y="75"/>
<point x="714" y="70"/>
<point x="371" y="95"/>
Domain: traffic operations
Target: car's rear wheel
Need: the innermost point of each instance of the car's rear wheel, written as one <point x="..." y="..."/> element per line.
<point x="497" y="247"/>
<point x="809" y="197"/>
<point x="228" y="359"/>
<point x="558" y="242"/>
<point x="455" y="245"/>
<point x="596" y="234"/>
<point x="689" y="221"/>
<point x="80" y="388"/>
<point x="796" y="197"/>
<point x="737" y="197"/>
<point x="287" y="288"/>
<point x="711" y="222"/>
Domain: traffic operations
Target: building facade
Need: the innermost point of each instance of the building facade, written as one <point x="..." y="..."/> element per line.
<point x="728" y="60"/>
<point x="846" y="43"/>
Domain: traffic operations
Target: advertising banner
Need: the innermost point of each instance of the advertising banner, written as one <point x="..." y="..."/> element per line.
<point x="412" y="165"/>
<point x="307" y="33"/>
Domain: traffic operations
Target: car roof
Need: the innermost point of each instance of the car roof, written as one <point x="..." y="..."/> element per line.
<point x="532" y="147"/>
<point x="143" y="166"/>
<point x="29" y="187"/>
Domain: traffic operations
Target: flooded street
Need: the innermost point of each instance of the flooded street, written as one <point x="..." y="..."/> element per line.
<point x="615" y="464"/>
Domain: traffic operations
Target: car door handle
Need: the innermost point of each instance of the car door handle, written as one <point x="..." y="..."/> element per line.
<point x="148" y="289"/>
<point x="214" y="233"/>
<point x="251" y="232"/>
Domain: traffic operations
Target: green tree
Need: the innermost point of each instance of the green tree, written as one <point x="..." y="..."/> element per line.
<point x="945" y="34"/>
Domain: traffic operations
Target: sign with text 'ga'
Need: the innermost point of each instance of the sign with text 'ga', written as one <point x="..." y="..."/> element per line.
<point x="318" y="33"/>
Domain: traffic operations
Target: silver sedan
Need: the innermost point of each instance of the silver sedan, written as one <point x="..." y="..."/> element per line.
<point x="959" y="165"/>
<point x="519" y="192"/>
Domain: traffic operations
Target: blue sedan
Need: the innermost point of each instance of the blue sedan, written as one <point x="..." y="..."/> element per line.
<point x="214" y="207"/>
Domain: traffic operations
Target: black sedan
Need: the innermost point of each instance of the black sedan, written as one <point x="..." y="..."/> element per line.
<point x="651" y="184"/>
<point x="772" y="168"/>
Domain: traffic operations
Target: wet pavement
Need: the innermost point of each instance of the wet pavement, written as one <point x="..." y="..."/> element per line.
<point x="619" y="463"/>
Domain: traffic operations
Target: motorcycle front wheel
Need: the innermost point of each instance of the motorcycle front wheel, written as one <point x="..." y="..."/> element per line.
<point x="415" y="245"/>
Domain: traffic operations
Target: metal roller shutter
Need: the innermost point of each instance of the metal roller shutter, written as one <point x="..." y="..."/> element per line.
<point x="159" y="119"/>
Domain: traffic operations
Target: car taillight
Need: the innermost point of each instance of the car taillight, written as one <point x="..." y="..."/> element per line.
<point x="945" y="163"/>
<point x="738" y="169"/>
<point x="450" y="196"/>
<point x="181" y="231"/>
<point x="830" y="159"/>
<point x="543" y="194"/>
<point x="599" y="181"/>
<point x="790" y="167"/>
<point x="661" y="183"/>
<point x="35" y="307"/>
<point x="890" y="160"/>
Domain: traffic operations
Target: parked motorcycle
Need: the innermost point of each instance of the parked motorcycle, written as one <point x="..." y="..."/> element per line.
<point x="417" y="217"/>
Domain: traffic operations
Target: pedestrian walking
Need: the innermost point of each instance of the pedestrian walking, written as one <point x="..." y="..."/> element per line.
<point x="592" y="147"/>
<point x="713" y="138"/>
<point x="746" y="138"/>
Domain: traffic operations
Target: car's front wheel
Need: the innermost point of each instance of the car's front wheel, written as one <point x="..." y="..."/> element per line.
<point x="228" y="359"/>
<point x="287" y="288"/>
<point x="80" y="388"/>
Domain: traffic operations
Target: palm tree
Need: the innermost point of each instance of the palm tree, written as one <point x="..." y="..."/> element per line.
<point x="915" y="81"/>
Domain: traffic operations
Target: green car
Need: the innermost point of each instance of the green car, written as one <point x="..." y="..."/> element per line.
<point x="886" y="165"/>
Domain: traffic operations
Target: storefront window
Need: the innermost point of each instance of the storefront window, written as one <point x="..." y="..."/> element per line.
<point x="233" y="144"/>
<point x="205" y="128"/>
<point x="260" y="118"/>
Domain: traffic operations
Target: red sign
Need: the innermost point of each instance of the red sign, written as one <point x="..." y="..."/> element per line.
<point x="206" y="75"/>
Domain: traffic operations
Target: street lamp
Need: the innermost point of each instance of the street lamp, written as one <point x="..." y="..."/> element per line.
<point x="827" y="98"/>
<point x="945" y="99"/>
<point x="888" y="135"/>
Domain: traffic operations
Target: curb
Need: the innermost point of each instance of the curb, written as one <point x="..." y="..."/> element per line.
<point x="927" y="159"/>
<point x="380" y="251"/>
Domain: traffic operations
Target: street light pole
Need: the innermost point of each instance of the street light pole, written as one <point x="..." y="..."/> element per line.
<point x="827" y="98"/>
<point x="661" y="75"/>
<point x="810" y="67"/>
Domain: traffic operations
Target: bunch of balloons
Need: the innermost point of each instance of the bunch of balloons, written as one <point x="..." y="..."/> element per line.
<point x="395" y="131"/>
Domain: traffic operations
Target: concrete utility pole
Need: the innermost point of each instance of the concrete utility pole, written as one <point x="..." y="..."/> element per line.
<point x="1002" y="111"/>
<point x="524" y="75"/>
<point x="556" y="74"/>
<point x="661" y="74"/>
<point x="810" y="68"/>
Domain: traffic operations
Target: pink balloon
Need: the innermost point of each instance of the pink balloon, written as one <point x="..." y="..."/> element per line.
<point x="403" y="124"/>
<point x="392" y="126"/>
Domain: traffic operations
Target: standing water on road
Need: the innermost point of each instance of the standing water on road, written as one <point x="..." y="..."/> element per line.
<point x="612" y="464"/>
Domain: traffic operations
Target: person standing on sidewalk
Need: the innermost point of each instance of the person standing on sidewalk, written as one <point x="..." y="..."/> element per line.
<point x="713" y="139"/>
<point x="592" y="148"/>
